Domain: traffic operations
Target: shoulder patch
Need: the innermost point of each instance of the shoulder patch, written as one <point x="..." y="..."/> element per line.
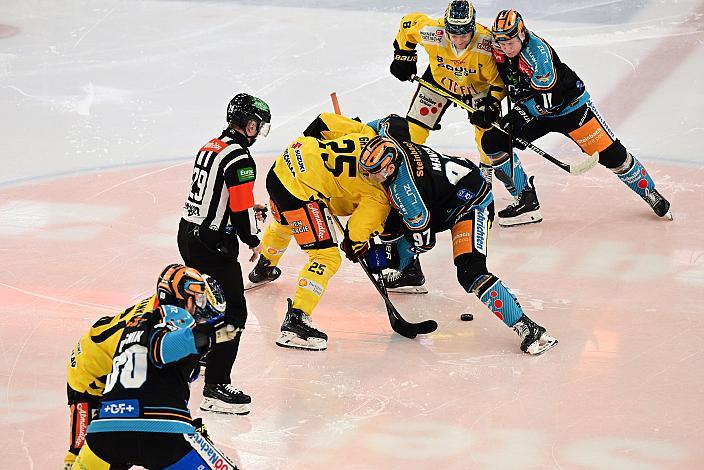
<point x="484" y="44"/>
<point x="431" y="35"/>
<point x="245" y="174"/>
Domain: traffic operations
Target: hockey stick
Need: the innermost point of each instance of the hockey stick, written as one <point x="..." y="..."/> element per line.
<point x="398" y="323"/>
<point x="573" y="169"/>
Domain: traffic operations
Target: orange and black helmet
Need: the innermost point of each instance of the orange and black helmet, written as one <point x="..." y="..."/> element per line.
<point x="507" y="25"/>
<point x="177" y="282"/>
<point x="377" y="155"/>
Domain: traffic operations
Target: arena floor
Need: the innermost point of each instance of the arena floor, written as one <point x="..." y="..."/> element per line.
<point x="104" y="104"/>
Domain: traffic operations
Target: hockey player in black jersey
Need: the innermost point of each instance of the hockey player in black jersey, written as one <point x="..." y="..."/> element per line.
<point x="549" y="97"/>
<point x="143" y="417"/>
<point x="434" y="193"/>
<point x="218" y="211"/>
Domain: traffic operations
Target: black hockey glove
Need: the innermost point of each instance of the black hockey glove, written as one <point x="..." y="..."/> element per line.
<point x="488" y="111"/>
<point x="209" y="333"/>
<point x="260" y="212"/>
<point x="353" y="250"/>
<point x="404" y="65"/>
<point x="515" y="120"/>
<point x="376" y="258"/>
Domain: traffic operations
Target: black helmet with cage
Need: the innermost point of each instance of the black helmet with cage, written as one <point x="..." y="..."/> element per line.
<point x="244" y="108"/>
<point x="177" y="282"/>
<point x="460" y="18"/>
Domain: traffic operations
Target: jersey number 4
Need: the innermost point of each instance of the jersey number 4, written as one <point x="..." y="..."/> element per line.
<point x="130" y="368"/>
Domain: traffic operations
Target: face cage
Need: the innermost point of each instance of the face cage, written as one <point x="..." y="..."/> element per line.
<point x="264" y="129"/>
<point x="200" y="299"/>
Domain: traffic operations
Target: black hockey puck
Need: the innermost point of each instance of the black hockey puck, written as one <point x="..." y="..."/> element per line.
<point x="466" y="317"/>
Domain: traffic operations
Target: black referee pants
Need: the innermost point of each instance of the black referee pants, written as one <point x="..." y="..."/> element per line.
<point x="225" y="268"/>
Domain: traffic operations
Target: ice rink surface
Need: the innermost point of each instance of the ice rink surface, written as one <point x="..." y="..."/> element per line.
<point x="104" y="104"/>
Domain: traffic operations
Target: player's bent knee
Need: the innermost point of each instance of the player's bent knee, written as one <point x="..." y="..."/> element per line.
<point x="329" y="257"/>
<point x="87" y="460"/>
<point x="471" y="268"/>
<point x="613" y="156"/>
<point x="494" y="141"/>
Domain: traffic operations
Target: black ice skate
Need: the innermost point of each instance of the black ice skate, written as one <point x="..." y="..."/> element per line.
<point x="263" y="273"/>
<point x="660" y="205"/>
<point x="224" y="398"/>
<point x="535" y="340"/>
<point x="409" y="281"/>
<point x="297" y="331"/>
<point x="524" y="210"/>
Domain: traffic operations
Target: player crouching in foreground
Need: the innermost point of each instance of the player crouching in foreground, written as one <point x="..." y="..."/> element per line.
<point x="434" y="193"/>
<point x="143" y="417"/>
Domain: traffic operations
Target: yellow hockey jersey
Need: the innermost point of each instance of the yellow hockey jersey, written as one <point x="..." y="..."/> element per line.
<point x="91" y="358"/>
<point x="327" y="170"/>
<point x="467" y="73"/>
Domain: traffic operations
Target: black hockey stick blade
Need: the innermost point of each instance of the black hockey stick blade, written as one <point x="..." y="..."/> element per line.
<point x="406" y="328"/>
<point x="398" y="323"/>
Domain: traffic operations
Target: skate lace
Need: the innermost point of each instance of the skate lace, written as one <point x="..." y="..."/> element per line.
<point x="653" y="197"/>
<point x="521" y="329"/>
<point x="230" y="389"/>
<point x="308" y="321"/>
<point x="393" y="276"/>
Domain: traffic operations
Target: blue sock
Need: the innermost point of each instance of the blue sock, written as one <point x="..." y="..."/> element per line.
<point x="502" y="302"/>
<point x="636" y="177"/>
<point x="502" y="171"/>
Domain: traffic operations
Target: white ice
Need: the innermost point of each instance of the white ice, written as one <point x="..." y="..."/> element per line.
<point x="104" y="104"/>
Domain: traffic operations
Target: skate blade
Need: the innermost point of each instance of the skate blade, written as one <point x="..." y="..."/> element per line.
<point x="253" y="285"/>
<point x="538" y="347"/>
<point x="293" y="341"/>
<point x="219" y="406"/>
<point x="407" y="290"/>
<point x="523" y="219"/>
<point x="668" y="216"/>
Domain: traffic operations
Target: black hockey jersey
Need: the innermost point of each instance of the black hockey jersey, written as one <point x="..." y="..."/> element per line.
<point x="538" y="78"/>
<point x="433" y="191"/>
<point x="148" y="387"/>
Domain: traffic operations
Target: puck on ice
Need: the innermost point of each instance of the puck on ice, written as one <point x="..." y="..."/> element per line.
<point x="466" y="317"/>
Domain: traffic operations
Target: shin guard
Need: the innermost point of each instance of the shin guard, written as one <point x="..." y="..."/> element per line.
<point x="502" y="170"/>
<point x="635" y="176"/>
<point x="498" y="298"/>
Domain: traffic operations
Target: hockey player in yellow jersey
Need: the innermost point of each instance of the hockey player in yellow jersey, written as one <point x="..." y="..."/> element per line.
<point x="460" y="61"/>
<point x="91" y="359"/>
<point x="314" y="177"/>
<point x="89" y="365"/>
<point x="277" y="237"/>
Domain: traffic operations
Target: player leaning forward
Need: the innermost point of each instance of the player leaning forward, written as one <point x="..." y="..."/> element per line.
<point x="139" y="364"/>
<point x="433" y="193"/>
<point x="550" y="97"/>
<point x="460" y="61"/>
<point x="310" y="180"/>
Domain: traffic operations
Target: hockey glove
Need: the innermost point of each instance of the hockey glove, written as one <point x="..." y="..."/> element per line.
<point x="515" y="120"/>
<point x="353" y="249"/>
<point x="404" y="65"/>
<point x="260" y="211"/>
<point x="488" y="111"/>
<point x="376" y="258"/>
<point x="208" y="334"/>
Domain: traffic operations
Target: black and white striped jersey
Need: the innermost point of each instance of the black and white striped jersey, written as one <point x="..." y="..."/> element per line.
<point x="222" y="188"/>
